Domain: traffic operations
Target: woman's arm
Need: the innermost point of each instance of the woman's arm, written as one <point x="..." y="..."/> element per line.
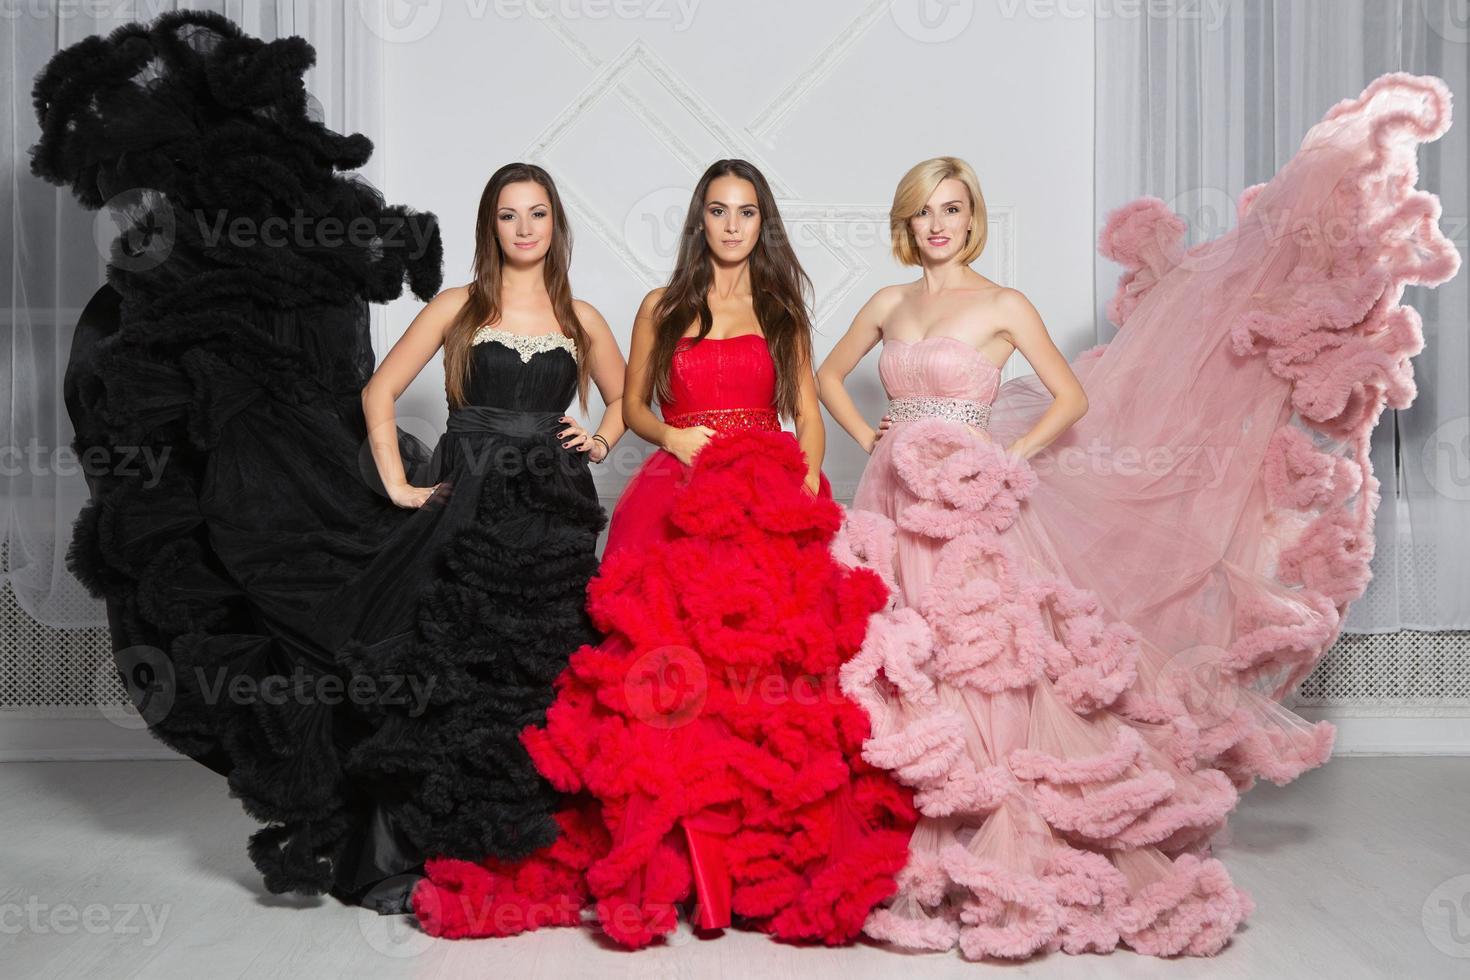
<point x="861" y="337"/>
<point x="419" y="343"/>
<point x="638" y="393"/>
<point x="607" y="369"/>
<point x="811" y="434"/>
<point x="1022" y="326"/>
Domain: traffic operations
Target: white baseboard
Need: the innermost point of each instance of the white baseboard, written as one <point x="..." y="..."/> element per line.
<point x="1359" y="733"/>
<point x="75" y="735"/>
<point x="87" y="734"/>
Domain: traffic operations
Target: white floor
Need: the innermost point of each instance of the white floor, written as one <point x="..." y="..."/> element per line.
<point x="138" y="869"/>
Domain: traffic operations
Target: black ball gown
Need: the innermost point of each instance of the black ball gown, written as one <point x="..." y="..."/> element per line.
<point x="358" y="671"/>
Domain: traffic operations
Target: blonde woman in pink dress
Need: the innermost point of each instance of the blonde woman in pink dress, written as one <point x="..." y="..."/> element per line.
<point x="1106" y="576"/>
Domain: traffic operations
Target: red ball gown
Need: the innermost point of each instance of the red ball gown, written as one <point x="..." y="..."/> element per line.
<point x="705" y="743"/>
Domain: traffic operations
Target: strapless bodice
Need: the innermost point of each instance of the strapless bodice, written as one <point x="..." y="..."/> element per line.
<point x="940" y="376"/>
<point x="724" y="383"/>
<point x="522" y="372"/>
<point x="937" y="367"/>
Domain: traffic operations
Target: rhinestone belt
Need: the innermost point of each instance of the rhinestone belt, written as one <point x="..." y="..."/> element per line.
<point x="728" y="419"/>
<point x="954" y="409"/>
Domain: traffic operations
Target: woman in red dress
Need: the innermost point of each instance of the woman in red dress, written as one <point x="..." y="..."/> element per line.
<point x="704" y="744"/>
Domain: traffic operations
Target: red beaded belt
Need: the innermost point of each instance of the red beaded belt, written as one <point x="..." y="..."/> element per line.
<point x="729" y="419"/>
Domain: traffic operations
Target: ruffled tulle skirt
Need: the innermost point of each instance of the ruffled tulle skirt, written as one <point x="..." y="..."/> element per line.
<point x="360" y="673"/>
<point x="709" y="716"/>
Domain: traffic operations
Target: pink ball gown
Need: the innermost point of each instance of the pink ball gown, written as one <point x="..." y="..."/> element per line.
<point x="1081" y="667"/>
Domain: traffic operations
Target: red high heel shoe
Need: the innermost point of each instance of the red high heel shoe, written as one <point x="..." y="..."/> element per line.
<point x="706" y="833"/>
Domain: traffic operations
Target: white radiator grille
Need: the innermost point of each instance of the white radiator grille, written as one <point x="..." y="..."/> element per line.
<point x="1404" y="669"/>
<point x="43" y="667"/>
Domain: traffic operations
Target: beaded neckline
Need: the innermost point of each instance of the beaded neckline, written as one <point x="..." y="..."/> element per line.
<point x="527" y="345"/>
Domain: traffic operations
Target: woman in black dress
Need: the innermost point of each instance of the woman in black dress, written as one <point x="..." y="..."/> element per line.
<point x="289" y="603"/>
<point x="511" y="476"/>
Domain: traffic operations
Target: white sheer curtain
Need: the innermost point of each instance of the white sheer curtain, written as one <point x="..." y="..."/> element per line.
<point x="1197" y="104"/>
<point x="54" y="262"/>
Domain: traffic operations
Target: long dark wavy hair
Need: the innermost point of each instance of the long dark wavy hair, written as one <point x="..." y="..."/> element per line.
<point x="483" y="305"/>
<point x="780" y="290"/>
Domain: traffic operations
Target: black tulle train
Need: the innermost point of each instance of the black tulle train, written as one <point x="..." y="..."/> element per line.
<point x="358" y="671"/>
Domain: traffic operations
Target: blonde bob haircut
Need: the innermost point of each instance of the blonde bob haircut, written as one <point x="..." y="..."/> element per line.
<point x="913" y="194"/>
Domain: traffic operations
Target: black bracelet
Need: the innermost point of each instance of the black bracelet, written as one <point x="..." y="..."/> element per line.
<point x="599" y="438"/>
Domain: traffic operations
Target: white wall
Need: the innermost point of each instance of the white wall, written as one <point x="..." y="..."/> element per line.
<point x="626" y="101"/>
<point x="833" y="99"/>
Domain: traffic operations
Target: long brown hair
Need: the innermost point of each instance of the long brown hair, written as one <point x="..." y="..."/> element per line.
<point x="483" y="305"/>
<point x="779" y="288"/>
